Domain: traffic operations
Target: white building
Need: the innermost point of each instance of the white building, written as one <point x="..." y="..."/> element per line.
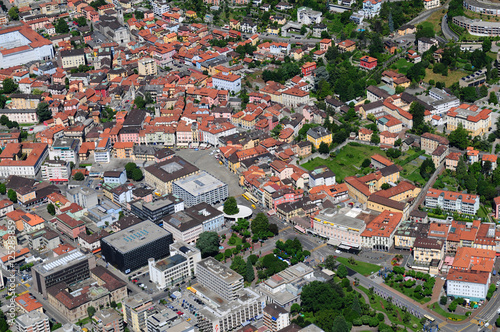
<point x="442" y="101"/>
<point x="211" y="132"/>
<point x="179" y="266"/>
<point x="115" y="177"/>
<point x="33" y="321"/>
<point x="201" y="187"/>
<point x="276" y="317"/>
<point x="65" y="149"/>
<point x="452" y="201"/>
<point x="307" y="16"/>
<point x="226" y="81"/>
<point x="371" y="8"/>
<point x="321" y="176"/>
<point x="429" y="4"/>
<point x="465" y="284"/>
<point x="29" y="167"/>
<point x="20" y="45"/>
<point x="339" y="229"/>
<point x="248" y="26"/>
<point x="20" y="116"/>
<point x="102" y="153"/>
<point x="56" y="170"/>
<point x="160" y="7"/>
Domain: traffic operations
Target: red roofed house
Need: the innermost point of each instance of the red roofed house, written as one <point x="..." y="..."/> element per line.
<point x="69" y="226"/>
<point x="367" y="62"/>
<point x="492" y="158"/>
<point x="308" y="68"/>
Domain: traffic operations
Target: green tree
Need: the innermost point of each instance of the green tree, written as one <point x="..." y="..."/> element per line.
<point x="238" y="264"/>
<point x="330" y="263"/>
<point x="385" y="186"/>
<point x="295" y="308"/>
<point x="443" y="300"/>
<point x="91" y="311"/>
<point x="137" y="174"/>
<point x="9" y="85"/>
<point x="62" y="26"/>
<point x="14" y="13"/>
<point x="376" y="45"/>
<point x="79" y="176"/>
<point x="418" y="112"/>
<point x="375" y="139"/>
<point x="129" y="169"/>
<point x="366" y="163"/>
<point x="453" y="306"/>
<point x="249" y="275"/>
<point x="340" y="324"/>
<point x="303" y="30"/>
<point x="11" y="194"/>
<point x="43" y="112"/>
<point x="260" y="225"/>
<point x="483" y="91"/>
<point x="427" y="168"/>
<point x="324" y="148"/>
<point x="231" y="206"/>
<point x="342" y="271"/>
<point x="3" y="189"/>
<point x="493" y="99"/>
<point x="459" y="137"/>
<point x="139" y="102"/>
<point x="208" y="243"/>
<point x="51" y="209"/>
<point x="486" y="45"/>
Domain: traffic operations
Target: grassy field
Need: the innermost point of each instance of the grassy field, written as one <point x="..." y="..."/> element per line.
<point x="396" y="315"/>
<point x="434" y="21"/>
<point x="453" y="76"/>
<point x="402" y="66"/>
<point x="361" y="267"/>
<point x="445" y="313"/>
<point x="342" y="164"/>
<point x="416" y="177"/>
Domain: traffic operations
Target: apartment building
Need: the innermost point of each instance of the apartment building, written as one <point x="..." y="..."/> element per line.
<point x="12" y="164"/>
<point x="102" y="153"/>
<point x="471" y="285"/>
<point x="425" y="250"/>
<point x="33" y="321"/>
<point x="20" y="115"/>
<point x="162" y="175"/>
<point x="56" y="171"/>
<point x="73" y="58"/>
<point x="338" y="229"/>
<point x="429" y="142"/>
<point x="294" y="97"/>
<point x="136" y="310"/>
<point x="65" y="149"/>
<point x="379" y="233"/>
<point x="475" y="120"/>
<point x="107" y="320"/>
<point x="227" y="81"/>
<point x="147" y="66"/>
<point x="201" y="187"/>
<point x="219" y="279"/>
<point x="452" y="201"/>
<point x="276" y="317"/>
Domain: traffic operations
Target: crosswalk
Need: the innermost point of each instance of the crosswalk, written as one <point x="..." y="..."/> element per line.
<point x="319" y="247"/>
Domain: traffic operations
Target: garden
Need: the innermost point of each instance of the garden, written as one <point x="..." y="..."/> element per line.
<point x="416" y="285"/>
<point x="361" y="267"/>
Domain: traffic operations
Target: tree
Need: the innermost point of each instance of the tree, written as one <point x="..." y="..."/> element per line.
<point x="139" y="102"/>
<point x="62" y="26"/>
<point x="208" y="243"/>
<point x="375" y="139"/>
<point x="303" y="30"/>
<point x="493" y="99"/>
<point x="129" y="169"/>
<point x="137" y="174"/>
<point x="427" y="168"/>
<point x="260" y="225"/>
<point x="486" y="45"/>
<point x="249" y="275"/>
<point x="79" y="176"/>
<point x="342" y="271"/>
<point x="273" y="228"/>
<point x="231" y="206"/>
<point x="330" y="263"/>
<point x="366" y="163"/>
<point x="443" y="300"/>
<point x="9" y="85"/>
<point x="385" y="186"/>
<point x="324" y="148"/>
<point x="340" y="324"/>
<point x="51" y="209"/>
<point x="14" y="13"/>
<point x="418" y="112"/>
<point x="453" y="306"/>
<point x="43" y="112"/>
<point x="11" y="194"/>
<point x="239" y="265"/>
<point x="393" y="153"/>
<point x="376" y="45"/>
<point x="459" y="137"/>
<point x="91" y="311"/>
<point x="3" y="189"/>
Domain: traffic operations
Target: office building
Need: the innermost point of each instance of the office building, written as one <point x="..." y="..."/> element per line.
<point x="156" y="209"/>
<point x="161" y="321"/>
<point x="56" y="171"/>
<point x="201" y="187"/>
<point x="339" y="229"/>
<point x="160" y="176"/>
<point x="470" y="285"/>
<point x="276" y="317"/>
<point x="65" y="149"/>
<point x="131" y="248"/>
<point x="83" y="196"/>
<point x="452" y="201"/>
<point x="34" y="321"/>
<point x="179" y="266"/>
<point x="70" y="267"/>
<point x="136" y="311"/>
<point x="219" y="279"/>
<point x="107" y="320"/>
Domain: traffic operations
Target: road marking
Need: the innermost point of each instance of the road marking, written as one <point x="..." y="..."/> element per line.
<point x="285" y="229"/>
<point x="319" y="247"/>
<point x="474" y="321"/>
<point x="444" y="323"/>
<point x="24" y="292"/>
<point x="465" y="327"/>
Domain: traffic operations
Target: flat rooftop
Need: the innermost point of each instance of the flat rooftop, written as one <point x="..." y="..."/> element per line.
<point x="60" y="262"/>
<point x="222" y="271"/>
<point x="170" y="262"/>
<point x="200" y="183"/>
<point x="329" y="216"/>
<point x="135" y="236"/>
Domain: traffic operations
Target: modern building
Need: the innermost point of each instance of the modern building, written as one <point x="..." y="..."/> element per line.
<point x="307" y="16"/>
<point x="339" y="229"/>
<point x="201" y="187"/>
<point x="429" y="4"/>
<point x="452" y="201"/>
<point x="161" y="321"/>
<point x="83" y="196"/>
<point x="478" y="27"/>
<point x="117" y="177"/>
<point x="227" y="81"/>
<point x="475" y="79"/>
<point x="102" y="153"/>
<point x="70" y="267"/>
<point x="56" y="171"/>
<point x="136" y="311"/>
<point x="34" y="321"/>
<point x="160" y="176"/>
<point x="321" y="176"/>
<point x="147" y="66"/>
<point x="179" y="266"/>
<point x="131" y="248"/>
<point x="157" y="208"/>
<point x="107" y="320"/>
<point x="471" y="285"/>
<point x="441" y="101"/>
<point x="22" y="45"/>
<point x="219" y="279"/>
<point x="65" y="149"/>
<point x="276" y="317"/>
<point x="371" y="8"/>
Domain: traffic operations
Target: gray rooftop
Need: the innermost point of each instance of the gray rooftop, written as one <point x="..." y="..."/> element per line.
<point x="329" y="215"/>
<point x="200" y="183"/>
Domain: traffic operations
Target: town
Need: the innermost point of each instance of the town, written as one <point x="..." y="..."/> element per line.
<point x="249" y="166"/>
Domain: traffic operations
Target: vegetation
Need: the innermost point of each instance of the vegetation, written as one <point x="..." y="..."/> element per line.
<point x="260" y="227"/>
<point x="358" y="266"/>
<point x="43" y="112"/>
<point x="231" y="206"/>
<point x="79" y="176"/>
<point x="11" y="194"/>
<point x="291" y="251"/>
<point x="417" y="285"/>
<point x="133" y="172"/>
<point x="208" y="243"/>
<point x="51" y="209"/>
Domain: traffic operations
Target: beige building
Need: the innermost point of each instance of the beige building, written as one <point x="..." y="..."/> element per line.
<point x="429" y="142"/>
<point x="475" y="120"/>
<point x="427" y="249"/>
<point x="161" y="176"/>
<point x="294" y="97"/>
<point x="136" y="310"/>
<point x="147" y="66"/>
<point x="20" y="115"/>
<point x="73" y="58"/>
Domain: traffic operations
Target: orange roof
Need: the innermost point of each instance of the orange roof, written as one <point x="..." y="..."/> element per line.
<point x="18" y="253"/>
<point x="383" y="225"/>
<point x="452" y="196"/>
<point x="28" y="302"/>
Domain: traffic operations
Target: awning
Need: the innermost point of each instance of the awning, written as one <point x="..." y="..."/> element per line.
<point x="58" y="180"/>
<point x="342" y="246"/>
<point x="300" y="229"/>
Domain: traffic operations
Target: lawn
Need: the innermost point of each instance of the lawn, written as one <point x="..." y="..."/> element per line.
<point x="361" y="267"/>
<point x="396" y="315"/>
<point x="483" y="213"/>
<point x="453" y="76"/>
<point x="445" y="313"/>
<point x="414" y="176"/>
<point x="347" y="162"/>
<point x="434" y="21"/>
<point x="409" y="292"/>
<point x="402" y="65"/>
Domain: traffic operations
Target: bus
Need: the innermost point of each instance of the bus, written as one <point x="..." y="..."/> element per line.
<point x="429" y="318"/>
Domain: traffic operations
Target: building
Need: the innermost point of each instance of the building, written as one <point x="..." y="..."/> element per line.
<point x="23" y="45"/>
<point x="102" y="152"/>
<point x="452" y="201"/>
<point x="33" y="155"/>
<point x="179" y="266"/>
<point x="73" y="58"/>
<point x="161" y="176"/>
<point x="69" y="267"/>
<point x="379" y="233"/>
<point x="33" y="321"/>
<point x="56" y="171"/>
<point x="371" y="8"/>
<point x="441" y="101"/>
<point x="107" y="320"/>
<point x="476" y="79"/>
<point x="429" y="4"/>
<point x="157" y="208"/>
<point x="136" y="311"/>
<point x="65" y="149"/>
<point x="426" y="249"/>
<point x="131" y="248"/>
<point x="307" y="16"/>
<point x="113" y="29"/>
<point x="44" y="239"/>
<point x="339" y="229"/>
<point x="368" y="62"/>
<point x="28" y="303"/>
<point x="201" y="187"/>
<point x="115" y="177"/>
<point x="308" y="68"/>
<point x="147" y="67"/>
<point x="320" y="176"/>
<point x="83" y="196"/>
<point x="475" y="120"/>
<point x="219" y="279"/>
<point x="471" y="285"/>
<point x="318" y="135"/>
<point x="20" y="116"/>
<point x="163" y="321"/>
<point x="276" y="317"/>
<point x="407" y="233"/>
<point x="429" y="142"/>
<point x="69" y="225"/>
<point x="478" y="27"/>
<point x="227" y="81"/>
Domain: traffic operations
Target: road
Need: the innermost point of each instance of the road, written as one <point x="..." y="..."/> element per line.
<point x="446" y="29"/>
